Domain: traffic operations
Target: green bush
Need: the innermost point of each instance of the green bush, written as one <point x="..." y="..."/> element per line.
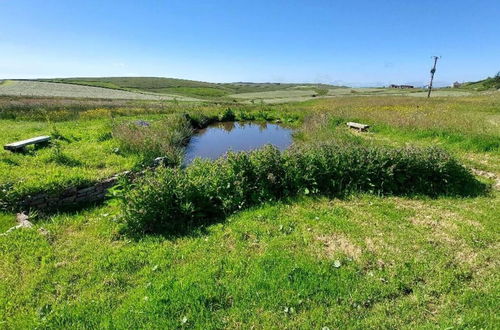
<point x="227" y="115"/>
<point x="172" y="199"/>
<point x="200" y="120"/>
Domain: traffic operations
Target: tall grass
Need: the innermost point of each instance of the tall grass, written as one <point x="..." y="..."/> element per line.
<point x="163" y="138"/>
<point x="173" y="199"/>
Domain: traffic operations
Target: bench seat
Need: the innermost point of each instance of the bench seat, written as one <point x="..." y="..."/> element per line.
<point x="21" y="144"/>
<point x="361" y="127"/>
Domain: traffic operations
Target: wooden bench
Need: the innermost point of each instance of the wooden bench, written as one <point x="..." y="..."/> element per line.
<point x="19" y="145"/>
<point x="360" y="127"/>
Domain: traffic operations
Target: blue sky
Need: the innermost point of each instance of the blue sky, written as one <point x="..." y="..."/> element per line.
<point x="346" y="42"/>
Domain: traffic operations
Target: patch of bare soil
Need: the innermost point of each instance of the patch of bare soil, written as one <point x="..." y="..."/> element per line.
<point x="335" y="243"/>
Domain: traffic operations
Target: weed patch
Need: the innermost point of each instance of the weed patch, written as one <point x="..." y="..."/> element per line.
<point x="164" y="138"/>
<point x="174" y="199"/>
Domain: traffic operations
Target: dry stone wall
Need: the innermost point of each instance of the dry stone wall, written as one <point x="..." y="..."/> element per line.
<point x="77" y="196"/>
<point x="71" y="197"/>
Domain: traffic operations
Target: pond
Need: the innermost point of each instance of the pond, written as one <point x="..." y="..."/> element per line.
<point x="217" y="139"/>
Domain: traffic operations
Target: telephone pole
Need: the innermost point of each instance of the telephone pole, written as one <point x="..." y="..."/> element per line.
<point x="433" y="70"/>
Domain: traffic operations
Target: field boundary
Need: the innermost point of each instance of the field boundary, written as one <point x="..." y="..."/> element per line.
<point x="74" y="197"/>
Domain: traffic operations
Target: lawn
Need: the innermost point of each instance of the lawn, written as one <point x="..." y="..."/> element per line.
<point x="364" y="262"/>
<point x="308" y="261"/>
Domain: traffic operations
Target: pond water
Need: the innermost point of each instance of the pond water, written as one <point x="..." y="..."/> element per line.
<point x="217" y="139"/>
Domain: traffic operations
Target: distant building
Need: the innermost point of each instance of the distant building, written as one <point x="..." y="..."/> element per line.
<point x="401" y="86"/>
<point x="456" y="84"/>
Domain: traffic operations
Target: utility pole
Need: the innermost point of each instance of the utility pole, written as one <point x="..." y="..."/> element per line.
<point x="433" y="70"/>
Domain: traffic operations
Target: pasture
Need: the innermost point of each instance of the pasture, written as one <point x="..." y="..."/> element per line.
<point x="51" y="89"/>
<point x="274" y="250"/>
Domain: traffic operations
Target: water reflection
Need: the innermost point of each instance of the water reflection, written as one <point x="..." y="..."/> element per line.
<point x="215" y="140"/>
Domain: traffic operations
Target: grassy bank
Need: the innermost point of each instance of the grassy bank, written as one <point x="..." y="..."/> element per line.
<point x="365" y="262"/>
<point x="84" y="151"/>
<point x="468" y="127"/>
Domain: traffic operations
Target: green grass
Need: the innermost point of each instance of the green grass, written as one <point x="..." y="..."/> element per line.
<point x="207" y="92"/>
<point x="191" y="90"/>
<point x="363" y="262"/>
<point x="63" y="90"/>
<point x="7" y="221"/>
<point x="490" y="83"/>
<point x="85" y="153"/>
<point x="97" y="143"/>
<point x="469" y="127"/>
<point x="145" y="84"/>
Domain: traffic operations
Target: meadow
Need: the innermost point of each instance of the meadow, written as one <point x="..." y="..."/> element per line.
<point x="273" y="248"/>
<point x="52" y="89"/>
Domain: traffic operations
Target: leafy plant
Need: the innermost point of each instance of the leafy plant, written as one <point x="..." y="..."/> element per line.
<point x="227" y="115"/>
<point x="173" y="199"/>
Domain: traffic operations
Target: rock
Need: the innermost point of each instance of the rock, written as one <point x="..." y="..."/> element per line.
<point x="142" y="123"/>
<point x="23" y="222"/>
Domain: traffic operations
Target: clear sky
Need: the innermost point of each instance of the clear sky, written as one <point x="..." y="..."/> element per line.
<point x="348" y="42"/>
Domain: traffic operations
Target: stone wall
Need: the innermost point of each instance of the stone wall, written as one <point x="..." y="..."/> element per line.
<point x="71" y="197"/>
<point x="78" y="196"/>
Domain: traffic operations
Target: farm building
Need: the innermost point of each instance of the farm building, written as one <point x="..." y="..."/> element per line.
<point x="401" y="86"/>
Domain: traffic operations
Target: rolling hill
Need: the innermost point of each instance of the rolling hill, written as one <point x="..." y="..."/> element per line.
<point x="485" y="84"/>
<point x="190" y="88"/>
<point x="29" y="88"/>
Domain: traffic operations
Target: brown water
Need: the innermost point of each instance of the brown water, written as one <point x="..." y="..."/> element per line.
<point x="217" y="139"/>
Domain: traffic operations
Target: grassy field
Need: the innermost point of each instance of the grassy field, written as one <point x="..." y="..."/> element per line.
<point x="151" y="88"/>
<point x="361" y="261"/>
<point x="50" y="89"/>
<point x="183" y="86"/>
<point x="364" y="262"/>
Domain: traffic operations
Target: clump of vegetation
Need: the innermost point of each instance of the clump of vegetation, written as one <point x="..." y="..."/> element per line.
<point x="163" y="138"/>
<point x="321" y="91"/>
<point x="174" y="199"/>
<point x="57" y="156"/>
<point x="227" y="115"/>
<point x="201" y="120"/>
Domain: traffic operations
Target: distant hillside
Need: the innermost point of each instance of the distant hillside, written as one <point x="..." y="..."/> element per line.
<point x="150" y="84"/>
<point x="186" y="87"/>
<point x="485" y="84"/>
<point x="32" y="88"/>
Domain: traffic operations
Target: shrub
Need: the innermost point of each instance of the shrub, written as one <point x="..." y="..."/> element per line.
<point x="227" y="115"/>
<point x="173" y="199"/>
<point x="321" y="91"/>
<point x="200" y="120"/>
